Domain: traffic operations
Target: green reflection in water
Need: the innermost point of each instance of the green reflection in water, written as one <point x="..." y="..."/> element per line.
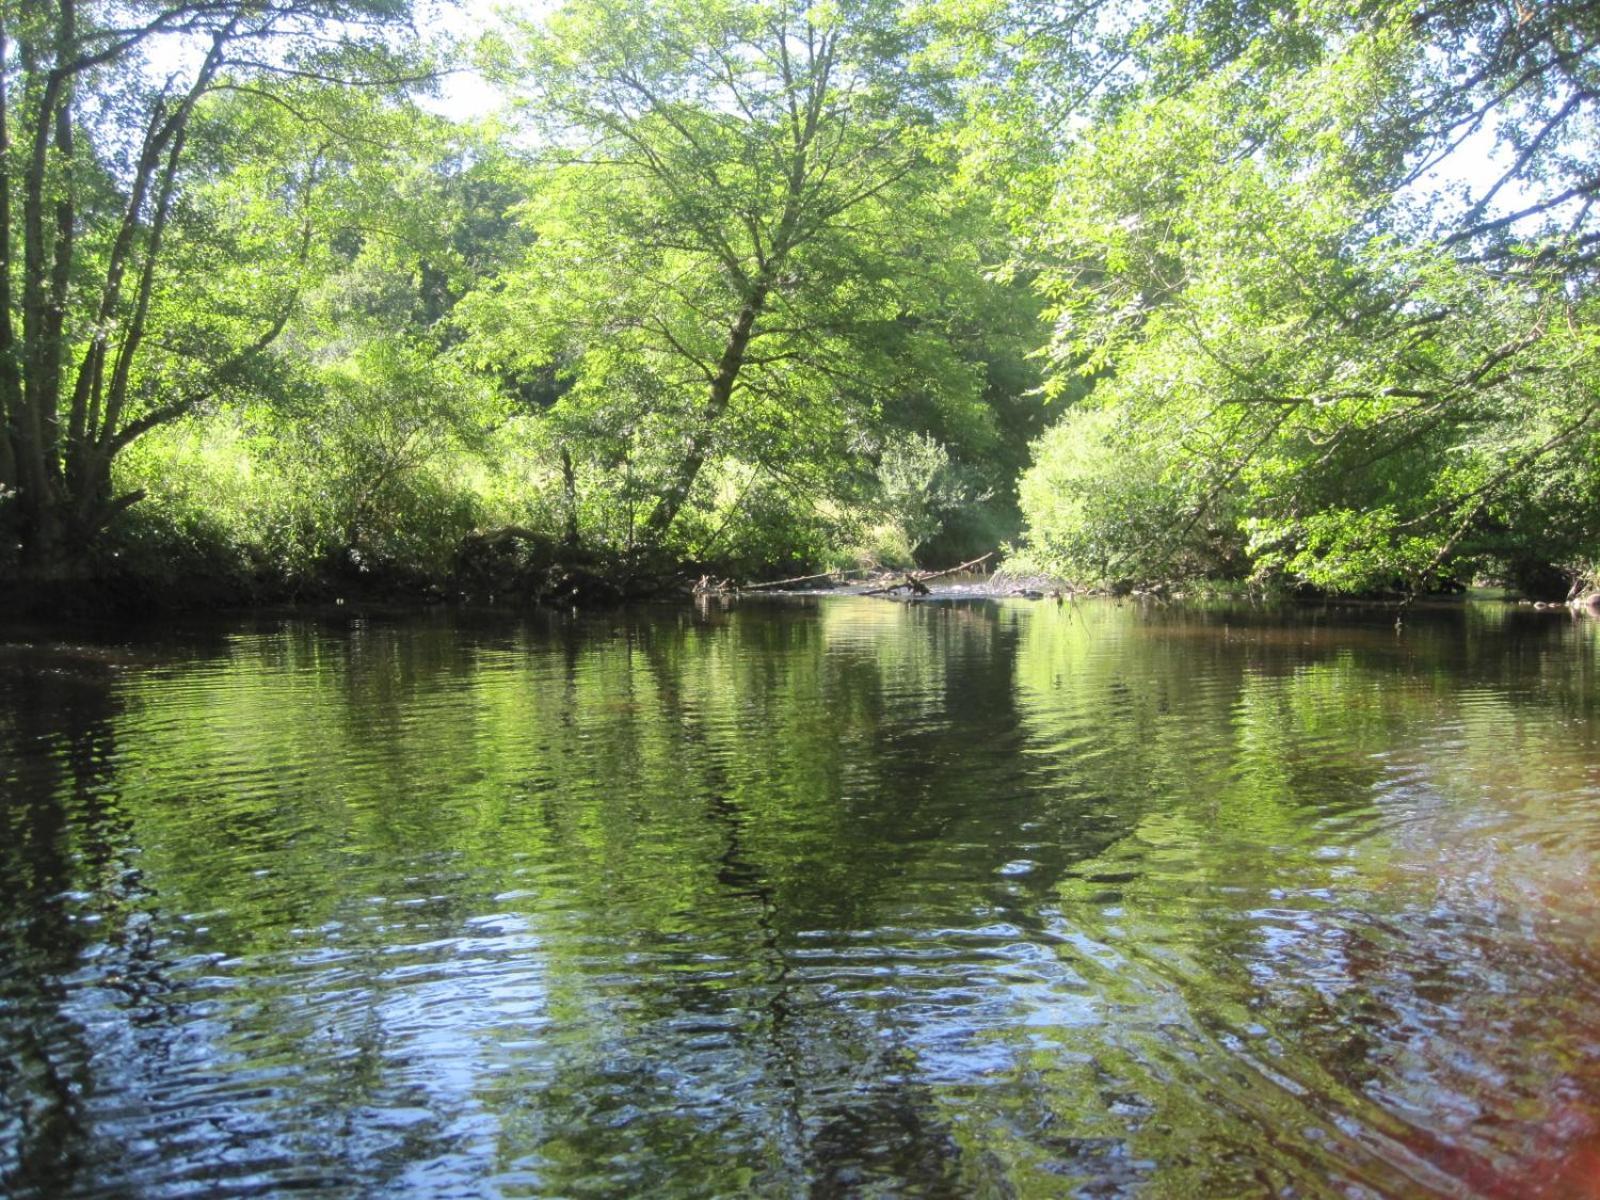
<point x="837" y="898"/>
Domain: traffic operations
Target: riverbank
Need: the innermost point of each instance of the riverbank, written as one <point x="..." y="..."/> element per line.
<point x="518" y="569"/>
<point x="485" y="570"/>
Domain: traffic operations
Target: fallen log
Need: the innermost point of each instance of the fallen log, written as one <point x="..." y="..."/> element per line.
<point x="916" y="582"/>
<point x="756" y="587"/>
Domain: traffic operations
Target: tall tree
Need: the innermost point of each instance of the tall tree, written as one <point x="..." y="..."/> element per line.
<point x="99" y="108"/>
<point x="744" y="250"/>
<point x="1331" y="268"/>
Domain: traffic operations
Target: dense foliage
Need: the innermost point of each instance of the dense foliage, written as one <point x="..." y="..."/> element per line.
<point x="1295" y="293"/>
<point x="1332" y="279"/>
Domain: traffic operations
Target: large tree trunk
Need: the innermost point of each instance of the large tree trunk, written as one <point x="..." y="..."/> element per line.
<point x="721" y="394"/>
<point x="63" y="422"/>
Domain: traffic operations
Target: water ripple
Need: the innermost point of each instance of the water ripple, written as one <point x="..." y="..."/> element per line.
<point x="820" y="898"/>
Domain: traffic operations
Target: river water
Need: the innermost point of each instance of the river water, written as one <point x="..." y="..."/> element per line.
<point x="840" y="897"/>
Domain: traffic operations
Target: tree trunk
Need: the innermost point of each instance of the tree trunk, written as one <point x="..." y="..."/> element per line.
<point x="10" y="376"/>
<point x="56" y="457"/>
<point x="722" y="385"/>
<point x="569" y="487"/>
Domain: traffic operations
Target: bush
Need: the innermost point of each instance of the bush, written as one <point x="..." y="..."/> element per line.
<point x="1104" y="505"/>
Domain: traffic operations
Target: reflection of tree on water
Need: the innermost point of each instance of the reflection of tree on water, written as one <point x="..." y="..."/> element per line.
<point x="943" y="898"/>
<point x="71" y="895"/>
<point x="809" y="855"/>
<point x="831" y="1132"/>
<point x="1293" y="968"/>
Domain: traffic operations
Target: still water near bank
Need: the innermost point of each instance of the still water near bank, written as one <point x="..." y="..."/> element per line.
<point x="833" y="898"/>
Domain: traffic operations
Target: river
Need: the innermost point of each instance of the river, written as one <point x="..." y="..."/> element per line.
<point x="834" y="897"/>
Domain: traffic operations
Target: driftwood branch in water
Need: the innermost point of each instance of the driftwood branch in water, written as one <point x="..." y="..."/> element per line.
<point x="755" y="587"/>
<point x="915" y="582"/>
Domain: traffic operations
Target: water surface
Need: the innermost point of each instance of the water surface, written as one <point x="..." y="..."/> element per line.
<point x="843" y="897"/>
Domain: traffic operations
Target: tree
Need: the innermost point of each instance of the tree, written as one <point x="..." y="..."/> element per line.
<point x="1276" y="263"/>
<point x="102" y="111"/>
<point x="745" y="252"/>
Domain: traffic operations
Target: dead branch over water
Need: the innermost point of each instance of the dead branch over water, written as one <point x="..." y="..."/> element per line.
<point x="915" y="582"/>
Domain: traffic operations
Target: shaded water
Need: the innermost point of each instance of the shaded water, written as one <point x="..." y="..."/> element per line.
<point x="834" y="898"/>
